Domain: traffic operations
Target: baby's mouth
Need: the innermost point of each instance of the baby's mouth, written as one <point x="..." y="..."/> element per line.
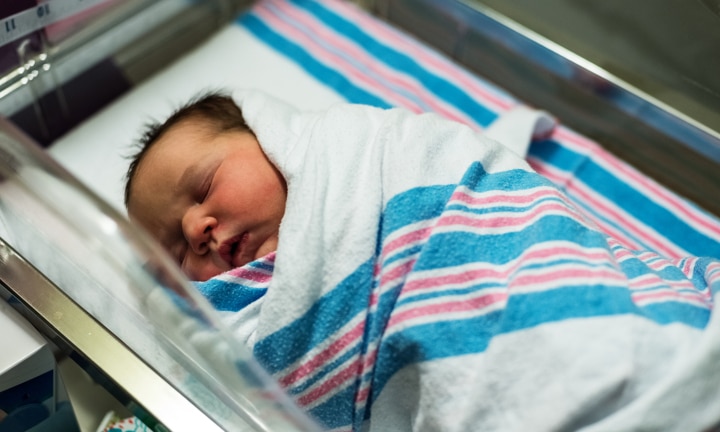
<point x="231" y="250"/>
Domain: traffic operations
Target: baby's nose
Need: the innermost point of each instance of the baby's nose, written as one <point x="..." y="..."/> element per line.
<point x="199" y="233"/>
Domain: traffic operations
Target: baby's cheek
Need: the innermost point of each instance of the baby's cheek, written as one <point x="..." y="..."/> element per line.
<point x="270" y="245"/>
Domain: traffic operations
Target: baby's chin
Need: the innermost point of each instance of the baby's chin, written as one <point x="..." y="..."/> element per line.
<point x="205" y="274"/>
<point x="208" y="271"/>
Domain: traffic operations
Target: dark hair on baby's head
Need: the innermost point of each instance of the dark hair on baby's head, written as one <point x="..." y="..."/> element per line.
<point x="216" y="108"/>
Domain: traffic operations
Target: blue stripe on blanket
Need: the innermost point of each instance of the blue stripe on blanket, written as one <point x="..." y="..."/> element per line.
<point x="463" y="247"/>
<point x="336" y="411"/>
<point x="633" y="201"/>
<point x="229" y="296"/>
<point x="646" y="210"/>
<point x="281" y="349"/>
<point x="636" y="267"/>
<point x="341" y="55"/>
<point x="261" y="264"/>
<point x="424" y="203"/>
<point x="327" y="75"/>
<point x="464" y="290"/>
<point x="562" y="157"/>
<point x="670" y="313"/>
<point x="703" y="268"/>
<point x="507" y="181"/>
<point x="326" y="369"/>
<point x="414" y="205"/>
<point x="472" y="335"/>
<point x="399" y="61"/>
<point x="490" y="208"/>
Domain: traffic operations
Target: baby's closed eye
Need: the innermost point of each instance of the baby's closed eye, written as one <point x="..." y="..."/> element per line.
<point x="204" y="189"/>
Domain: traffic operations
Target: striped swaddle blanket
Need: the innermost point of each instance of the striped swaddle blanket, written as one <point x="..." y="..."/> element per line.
<point x="428" y="279"/>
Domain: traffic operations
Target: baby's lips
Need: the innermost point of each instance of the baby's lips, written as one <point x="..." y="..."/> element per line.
<point x="233" y="247"/>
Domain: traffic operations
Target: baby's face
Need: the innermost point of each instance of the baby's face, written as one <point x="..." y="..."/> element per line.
<point x="215" y="202"/>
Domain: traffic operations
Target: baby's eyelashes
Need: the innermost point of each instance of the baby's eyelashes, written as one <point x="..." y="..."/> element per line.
<point x="204" y="189"/>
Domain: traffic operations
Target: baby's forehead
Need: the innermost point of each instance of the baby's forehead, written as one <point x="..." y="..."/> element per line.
<point x="197" y="123"/>
<point x="153" y="189"/>
<point x="176" y="151"/>
<point x="188" y="134"/>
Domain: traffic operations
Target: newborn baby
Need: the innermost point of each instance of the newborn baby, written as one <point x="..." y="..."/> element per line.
<point x="202" y="186"/>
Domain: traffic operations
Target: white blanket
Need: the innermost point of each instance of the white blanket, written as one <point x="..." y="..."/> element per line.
<point x="427" y="279"/>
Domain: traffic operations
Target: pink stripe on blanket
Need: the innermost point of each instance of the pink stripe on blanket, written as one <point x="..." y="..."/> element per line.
<point x="487" y="273"/>
<point x="658" y="262"/>
<point x="368" y="365"/>
<point x="581" y="192"/>
<point x="550" y="278"/>
<point x="391" y="83"/>
<point x="396" y="275"/>
<point x="489" y="95"/>
<point x="359" y="366"/>
<point x="651" y="286"/>
<point x="559" y="177"/>
<point x="319" y="359"/>
<point x="411" y="238"/>
<point x="505" y="222"/>
<point x="345" y="56"/>
<point x="712" y="273"/>
<point x="651" y="259"/>
<point x="665" y="198"/>
<point x="362" y="396"/>
<point x="476" y="304"/>
<point x="252" y="275"/>
<point x="497" y="198"/>
<point x="688" y="266"/>
<point x="651" y="281"/>
<point x="623" y="253"/>
<point x="563" y="178"/>
<point x="349" y="373"/>
<point x="669" y="295"/>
